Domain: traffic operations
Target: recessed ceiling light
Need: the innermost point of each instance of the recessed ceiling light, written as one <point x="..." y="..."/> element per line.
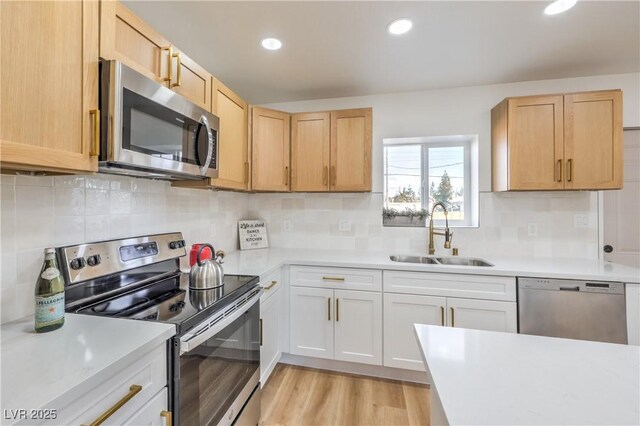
<point x="559" y="6"/>
<point x="271" y="43"/>
<point x="399" y="26"/>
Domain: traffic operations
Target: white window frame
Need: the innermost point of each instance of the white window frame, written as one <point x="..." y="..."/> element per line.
<point x="432" y="142"/>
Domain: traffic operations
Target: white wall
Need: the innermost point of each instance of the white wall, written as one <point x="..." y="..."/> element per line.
<point x="465" y="110"/>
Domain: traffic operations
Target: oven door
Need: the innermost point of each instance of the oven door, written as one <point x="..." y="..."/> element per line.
<point x="152" y="128"/>
<point x="220" y="372"/>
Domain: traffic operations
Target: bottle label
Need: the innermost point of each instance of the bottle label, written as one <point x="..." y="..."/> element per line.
<point x="49" y="309"/>
<point x="50" y="273"/>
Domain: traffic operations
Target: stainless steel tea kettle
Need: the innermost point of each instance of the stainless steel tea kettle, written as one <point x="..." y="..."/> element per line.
<point x="207" y="274"/>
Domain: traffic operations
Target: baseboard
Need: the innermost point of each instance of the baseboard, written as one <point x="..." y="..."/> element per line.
<point x="355" y="368"/>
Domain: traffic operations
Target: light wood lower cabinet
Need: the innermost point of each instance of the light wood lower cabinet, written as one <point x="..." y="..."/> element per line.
<point x="270" y="132"/>
<point x="48" y="85"/>
<point x="558" y="142"/>
<point x="402" y="311"/>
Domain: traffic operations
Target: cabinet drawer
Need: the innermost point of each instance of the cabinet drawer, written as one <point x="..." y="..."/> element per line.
<point x="454" y="285"/>
<point x="148" y="371"/>
<point x="271" y="283"/>
<point x="339" y="278"/>
<point x="153" y="413"/>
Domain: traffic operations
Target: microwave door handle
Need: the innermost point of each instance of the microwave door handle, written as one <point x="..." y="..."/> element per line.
<point x="205" y="167"/>
<point x="189" y="342"/>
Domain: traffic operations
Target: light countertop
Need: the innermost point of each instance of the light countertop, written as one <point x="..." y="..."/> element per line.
<point x="491" y="378"/>
<point x="263" y="261"/>
<point x="51" y="369"/>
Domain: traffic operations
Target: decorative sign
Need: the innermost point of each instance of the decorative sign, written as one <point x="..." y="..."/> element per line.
<point x="253" y="234"/>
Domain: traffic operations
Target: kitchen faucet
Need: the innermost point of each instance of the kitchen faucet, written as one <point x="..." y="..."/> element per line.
<point x="448" y="235"/>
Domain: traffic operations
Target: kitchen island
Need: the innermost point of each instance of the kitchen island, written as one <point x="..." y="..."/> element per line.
<point x="492" y="378"/>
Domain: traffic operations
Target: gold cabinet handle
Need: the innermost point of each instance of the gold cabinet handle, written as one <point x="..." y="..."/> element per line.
<point x="559" y="170"/>
<point x="569" y="169"/>
<point x="328" y="309"/>
<point x="260" y="331"/>
<point x="286" y="175"/>
<point x="169" y="50"/>
<point x="453" y="318"/>
<point x="246" y="172"/>
<point x="167" y="416"/>
<point x="333" y="278"/>
<point x="337" y="309"/>
<point x="333" y="175"/>
<point x="274" y="282"/>
<point x="178" y="82"/>
<point x="441" y="315"/>
<point x="95" y="151"/>
<point x="133" y="391"/>
<point x="325" y="176"/>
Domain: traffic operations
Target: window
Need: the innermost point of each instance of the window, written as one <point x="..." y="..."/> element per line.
<point x="418" y="172"/>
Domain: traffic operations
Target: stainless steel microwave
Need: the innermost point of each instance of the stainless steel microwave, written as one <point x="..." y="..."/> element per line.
<point x="149" y="130"/>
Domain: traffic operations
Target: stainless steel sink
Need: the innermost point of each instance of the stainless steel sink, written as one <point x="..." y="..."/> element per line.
<point x="414" y="259"/>
<point x="457" y="261"/>
<point x="462" y="261"/>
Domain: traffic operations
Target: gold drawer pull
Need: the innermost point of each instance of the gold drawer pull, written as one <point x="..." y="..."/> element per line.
<point x="333" y="278"/>
<point x="96" y="133"/>
<point x="169" y="50"/>
<point x="337" y="309"/>
<point x="325" y="175"/>
<point x="168" y="417"/>
<point x="559" y="170"/>
<point x="133" y="391"/>
<point x="328" y="309"/>
<point x="569" y="169"/>
<point x="274" y="282"/>
<point x="286" y="175"/>
<point x="333" y="175"/>
<point x="246" y="172"/>
<point x="453" y="319"/>
<point x="441" y="315"/>
<point x="178" y="82"/>
<point x="260" y="331"/>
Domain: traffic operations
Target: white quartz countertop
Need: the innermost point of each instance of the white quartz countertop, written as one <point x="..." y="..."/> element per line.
<point x="49" y="370"/>
<point x="263" y="261"/>
<point x="491" y="378"/>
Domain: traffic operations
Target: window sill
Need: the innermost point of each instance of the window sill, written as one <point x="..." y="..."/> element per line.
<point x="404" y="221"/>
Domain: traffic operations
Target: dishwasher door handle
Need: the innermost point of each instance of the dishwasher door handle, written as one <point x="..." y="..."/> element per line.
<point x="574" y="288"/>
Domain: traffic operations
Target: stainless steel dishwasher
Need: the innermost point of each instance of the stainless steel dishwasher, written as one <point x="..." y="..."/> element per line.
<point x="585" y="310"/>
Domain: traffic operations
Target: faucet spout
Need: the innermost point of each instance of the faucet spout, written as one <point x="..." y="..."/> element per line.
<point x="448" y="235"/>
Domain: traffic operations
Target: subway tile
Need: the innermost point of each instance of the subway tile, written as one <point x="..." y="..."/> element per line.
<point x="34" y="232"/>
<point x="25" y="180"/>
<point x="120" y="202"/>
<point x="96" y="202"/>
<point x="96" y="182"/>
<point x="34" y="201"/>
<point x="8" y="269"/>
<point x="139" y="202"/>
<point x="69" y="201"/>
<point x="139" y="185"/>
<point x="7" y="180"/>
<point x="7" y="234"/>
<point x="96" y="228"/>
<point x="8" y="306"/>
<point x="29" y="266"/>
<point x="7" y="201"/>
<point x="69" y="181"/>
<point x="69" y="230"/>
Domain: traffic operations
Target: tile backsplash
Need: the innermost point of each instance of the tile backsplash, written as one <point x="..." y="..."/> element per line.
<point x="38" y="212"/>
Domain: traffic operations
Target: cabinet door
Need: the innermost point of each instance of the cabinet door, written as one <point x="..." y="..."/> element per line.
<point x="269" y="334"/>
<point x="311" y="322"/>
<point x="127" y="38"/>
<point x="350" y="150"/>
<point x="190" y="80"/>
<point x="535" y="143"/>
<point x="270" y="150"/>
<point x="48" y="85"/>
<point x="310" y="151"/>
<point x="358" y="326"/>
<point x="153" y="413"/>
<point x="593" y="140"/>
<point x="401" y="312"/>
<point x="233" y="147"/>
<point x="482" y="314"/>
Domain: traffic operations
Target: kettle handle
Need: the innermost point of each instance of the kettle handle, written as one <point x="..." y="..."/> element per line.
<point x="202" y="246"/>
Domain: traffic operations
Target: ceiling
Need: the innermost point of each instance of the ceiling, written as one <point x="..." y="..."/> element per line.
<point x="335" y="49"/>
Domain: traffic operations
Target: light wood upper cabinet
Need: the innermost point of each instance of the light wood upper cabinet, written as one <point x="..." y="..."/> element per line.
<point x="48" y="85"/>
<point x="190" y="80"/>
<point x="558" y="142"/>
<point x="233" y="147"/>
<point x="269" y="150"/>
<point x="593" y="140"/>
<point x="127" y="38"/>
<point x="310" y="145"/>
<point x="350" y="150"/>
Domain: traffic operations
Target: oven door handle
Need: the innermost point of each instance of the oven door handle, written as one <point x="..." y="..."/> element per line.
<point x="205" y="166"/>
<point x="190" y="341"/>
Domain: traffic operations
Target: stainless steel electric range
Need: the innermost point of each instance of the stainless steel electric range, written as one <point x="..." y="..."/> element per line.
<point x="214" y="359"/>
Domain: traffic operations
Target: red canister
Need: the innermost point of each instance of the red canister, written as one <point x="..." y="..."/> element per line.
<point x="206" y="253"/>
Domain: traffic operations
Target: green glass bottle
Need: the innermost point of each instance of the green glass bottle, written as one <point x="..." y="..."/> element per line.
<point x="49" y="295"/>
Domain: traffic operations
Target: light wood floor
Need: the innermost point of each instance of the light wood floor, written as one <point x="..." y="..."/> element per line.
<point x="305" y="396"/>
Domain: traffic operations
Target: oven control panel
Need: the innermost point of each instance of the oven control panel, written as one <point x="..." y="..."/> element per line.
<point x="93" y="260"/>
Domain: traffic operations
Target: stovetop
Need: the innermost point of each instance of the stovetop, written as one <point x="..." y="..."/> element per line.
<point x="170" y="300"/>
